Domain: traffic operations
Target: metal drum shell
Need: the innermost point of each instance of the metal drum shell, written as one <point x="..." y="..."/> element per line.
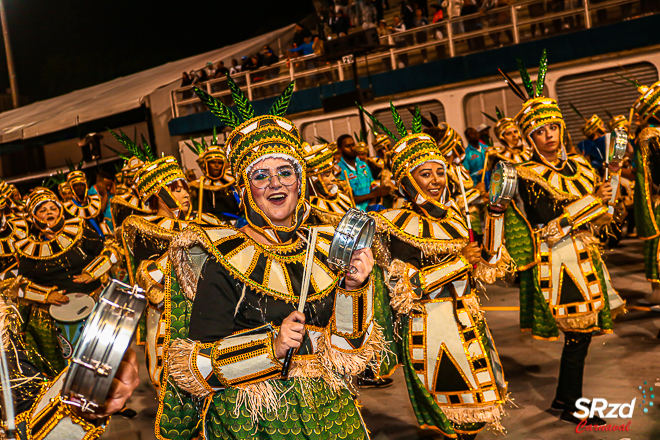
<point x="618" y="149"/>
<point x="509" y="183"/>
<point x="103" y="343"/>
<point x="355" y="230"/>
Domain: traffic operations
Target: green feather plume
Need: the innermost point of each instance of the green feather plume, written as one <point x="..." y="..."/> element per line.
<point x="377" y="122"/>
<point x="499" y="114"/>
<point x="218" y="109"/>
<point x="576" y="110"/>
<point x="526" y="80"/>
<point x="417" y="121"/>
<point x="634" y="82"/>
<point x="543" y="69"/>
<point x="282" y="103"/>
<point x="241" y="101"/>
<point x="214" y="139"/>
<point x="489" y="117"/>
<point x="320" y="140"/>
<point x="400" y="126"/>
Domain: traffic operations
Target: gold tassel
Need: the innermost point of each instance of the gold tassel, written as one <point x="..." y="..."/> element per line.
<point x="369" y="354"/>
<point x="473" y="306"/>
<point x="619" y="311"/>
<point x="577" y="322"/>
<point x="490" y="273"/>
<point x="402" y="297"/>
<point x="179" y="366"/>
<point x="491" y="414"/>
<point x="530" y="175"/>
<point x="327" y="217"/>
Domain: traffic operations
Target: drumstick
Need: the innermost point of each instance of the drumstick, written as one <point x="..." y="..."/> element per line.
<point x="311" y="245"/>
<point x="350" y="190"/>
<point x="8" y="407"/>
<point x="607" y="155"/>
<point x="465" y="204"/>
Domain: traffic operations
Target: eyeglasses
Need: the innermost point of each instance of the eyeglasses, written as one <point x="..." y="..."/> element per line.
<point x="260" y="179"/>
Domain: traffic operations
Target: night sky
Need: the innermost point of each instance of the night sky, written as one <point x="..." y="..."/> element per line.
<point x="61" y="46"/>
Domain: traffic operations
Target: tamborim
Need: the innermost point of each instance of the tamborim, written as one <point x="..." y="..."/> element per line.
<point x="354" y="231"/>
<point x="503" y="183"/>
<point x="103" y="343"/>
<point x="618" y="145"/>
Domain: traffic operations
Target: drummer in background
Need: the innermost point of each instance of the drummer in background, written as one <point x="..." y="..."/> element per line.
<point x="511" y="148"/>
<point x="39" y="413"/>
<point x="452" y="369"/>
<point x="213" y="192"/>
<point x="564" y="284"/>
<point x="87" y="207"/>
<point x="359" y="175"/>
<point x="52" y="258"/>
<point x="163" y="191"/>
<point x="239" y="297"/>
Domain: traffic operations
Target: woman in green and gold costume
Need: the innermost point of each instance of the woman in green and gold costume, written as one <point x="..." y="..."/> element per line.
<point x="647" y="179"/>
<point x="232" y="306"/>
<point x="452" y="369"/>
<point x="163" y="192"/>
<point x="549" y="232"/>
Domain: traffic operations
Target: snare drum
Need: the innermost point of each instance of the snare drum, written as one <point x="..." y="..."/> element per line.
<point x="70" y="319"/>
<point x="503" y="183"/>
<point x="355" y="231"/>
<point x="104" y="340"/>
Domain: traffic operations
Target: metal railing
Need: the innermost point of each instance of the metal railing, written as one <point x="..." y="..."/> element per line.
<point x="519" y="22"/>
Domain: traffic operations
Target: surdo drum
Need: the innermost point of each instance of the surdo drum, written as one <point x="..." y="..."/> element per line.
<point x="102" y="345"/>
<point x="503" y="183"/>
<point x="355" y="231"/>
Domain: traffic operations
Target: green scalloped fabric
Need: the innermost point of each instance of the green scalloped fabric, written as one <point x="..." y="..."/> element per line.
<point x="308" y="409"/>
<point x="384" y="317"/>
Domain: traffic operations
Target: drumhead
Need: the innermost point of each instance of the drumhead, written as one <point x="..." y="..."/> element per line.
<point x="79" y="307"/>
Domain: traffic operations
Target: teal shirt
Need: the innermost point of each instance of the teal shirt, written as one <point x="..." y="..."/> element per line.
<point x="359" y="178"/>
<point x="474" y="161"/>
<point x="107" y="215"/>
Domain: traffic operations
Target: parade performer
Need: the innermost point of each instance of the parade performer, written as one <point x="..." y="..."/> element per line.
<point x="232" y="306"/>
<point x="163" y="192"/>
<point x="52" y="256"/>
<point x="454" y="375"/>
<point x="564" y="284"/>
<point x="511" y="148"/>
<point x="647" y="179"/>
<point x="593" y="147"/>
<point x="127" y="200"/>
<point x="215" y="189"/>
<point x="39" y="412"/>
<point x="83" y="205"/>
<point x="328" y="202"/>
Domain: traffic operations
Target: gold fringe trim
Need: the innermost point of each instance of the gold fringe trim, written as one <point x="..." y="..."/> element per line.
<point x="180" y="369"/>
<point x="472" y="304"/>
<point x="381" y="251"/>
<point x="428" y="246"/>
<point x="327" y="217"/>
<point x="530" y="175"/>
<point x="356" y="362"/>
<point x="491" y="414"/>
<point x="572" y="323"/>
<point x="182" y="263"/>
<point x="402" y="297"/>
<point x="618" y="311"/>
<point x="490" y="273"/>
<point x="134" y="224"/>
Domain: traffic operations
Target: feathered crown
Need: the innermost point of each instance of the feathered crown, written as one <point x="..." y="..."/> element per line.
<point x="648" y="104"/>
<point x="591" y="125"/>
<point x="537" y="110"/>
<point x="411" y="149"/>
<point x="318" y="158"/>
<point x="502" y="123"/>
<point x="206" y="152"/>
<point x="155" y="175"/>
<point x="143" y="152"/>
<point x="254" y="136"/>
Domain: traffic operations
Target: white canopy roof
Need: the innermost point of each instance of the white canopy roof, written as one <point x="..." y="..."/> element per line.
<point x="117" y="96"/>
